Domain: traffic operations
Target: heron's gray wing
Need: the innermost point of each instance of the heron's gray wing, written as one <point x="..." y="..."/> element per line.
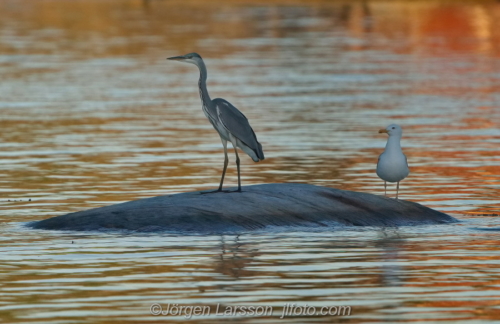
<point x="237" y="124"/>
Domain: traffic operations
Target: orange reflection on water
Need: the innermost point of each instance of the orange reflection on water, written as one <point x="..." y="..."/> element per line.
<point x="92" y="114"/>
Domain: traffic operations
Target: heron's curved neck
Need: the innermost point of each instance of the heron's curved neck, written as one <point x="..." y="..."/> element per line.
<point x="202" y="84"/>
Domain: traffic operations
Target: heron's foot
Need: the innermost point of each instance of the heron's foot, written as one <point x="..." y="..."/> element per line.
<point x="211" y="192"/>
<point x="215" y="191"/>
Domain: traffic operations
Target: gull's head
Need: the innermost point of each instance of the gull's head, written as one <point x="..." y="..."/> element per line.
<point x="392" y="130"/>
<point x="193" y="58"/>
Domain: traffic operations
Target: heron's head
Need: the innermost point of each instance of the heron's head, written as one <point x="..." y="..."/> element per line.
<point x="392" y="130"/>
<point x="193" y="58"/>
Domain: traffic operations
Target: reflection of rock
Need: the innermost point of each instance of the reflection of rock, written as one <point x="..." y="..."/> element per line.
<point x="256" y="207"/>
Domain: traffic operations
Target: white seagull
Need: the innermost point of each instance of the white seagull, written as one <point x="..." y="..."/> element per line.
<point x="392" y="165"/>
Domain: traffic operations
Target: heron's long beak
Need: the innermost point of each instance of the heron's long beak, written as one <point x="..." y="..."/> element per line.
<point x="383" y="131"/>
<point x="176" y="58"/>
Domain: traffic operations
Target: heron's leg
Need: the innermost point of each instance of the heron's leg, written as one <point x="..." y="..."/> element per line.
<point x="385" y="188"/>
<point x="397" y="191"/>
<point x="238" y="166"/>
<point x="226" y="160"/>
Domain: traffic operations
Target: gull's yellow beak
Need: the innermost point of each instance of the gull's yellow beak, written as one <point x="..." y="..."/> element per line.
<point x="383" y="131"/>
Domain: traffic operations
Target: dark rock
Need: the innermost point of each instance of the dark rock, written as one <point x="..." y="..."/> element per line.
<point x="256" y="207"/>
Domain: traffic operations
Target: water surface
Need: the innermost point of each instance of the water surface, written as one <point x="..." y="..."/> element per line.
<point x="93" y="114"/>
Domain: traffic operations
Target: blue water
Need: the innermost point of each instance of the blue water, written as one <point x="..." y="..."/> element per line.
<point x="92" y="114"/>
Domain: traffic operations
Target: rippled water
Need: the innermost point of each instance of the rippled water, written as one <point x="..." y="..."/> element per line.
<point x="92" y="114"/>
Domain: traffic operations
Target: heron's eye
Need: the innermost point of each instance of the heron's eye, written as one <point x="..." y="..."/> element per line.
<point x="394" y="128"/>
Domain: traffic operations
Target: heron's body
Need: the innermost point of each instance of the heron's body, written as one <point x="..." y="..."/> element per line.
<point x="227" y="120"/>
<point x="224" y="122"/>
<point x="392" y="164"/>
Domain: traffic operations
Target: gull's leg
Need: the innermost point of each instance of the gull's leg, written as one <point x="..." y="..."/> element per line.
<point x="237" y="165"/>
<point x="385" y="188"/>
<point x="226" y="160"/>
<point x="397" y="191"/>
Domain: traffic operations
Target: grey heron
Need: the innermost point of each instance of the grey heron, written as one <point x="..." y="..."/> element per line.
<point x="392" y="164"/>
<point x="227" y="120"/>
